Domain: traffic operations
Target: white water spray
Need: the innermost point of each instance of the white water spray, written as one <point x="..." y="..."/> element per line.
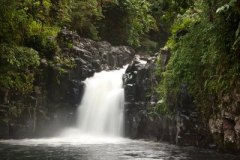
<point x="101" y="113"/>
<point x="101" y="109"/>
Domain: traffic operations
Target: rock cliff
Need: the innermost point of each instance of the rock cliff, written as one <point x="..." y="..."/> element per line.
<point x="182" y="128"/>
<point x="57" y="92"/>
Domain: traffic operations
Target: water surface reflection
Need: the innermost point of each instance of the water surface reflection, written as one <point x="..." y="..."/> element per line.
<point x="120" y="149"/>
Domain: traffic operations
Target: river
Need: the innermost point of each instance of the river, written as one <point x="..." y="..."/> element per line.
<point x="102" y="149"/>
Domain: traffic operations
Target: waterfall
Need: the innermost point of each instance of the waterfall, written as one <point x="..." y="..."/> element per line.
<point x="101" y="109"/>
<point x="100" y="116"/>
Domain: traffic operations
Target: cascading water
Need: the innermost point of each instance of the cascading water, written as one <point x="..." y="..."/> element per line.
<point x="101" y="110"/>
<point x="101" y="113"/>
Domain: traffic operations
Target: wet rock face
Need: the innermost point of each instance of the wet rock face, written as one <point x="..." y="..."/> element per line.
<point x="226" y="132"/>
<point x="140" y="82"/>
<point x="90" y="57"/>
<point x="225" y="126"/>
<point x="94" y="56"/>
<point x="137" y="84"/>
<point x="58" y="95"/>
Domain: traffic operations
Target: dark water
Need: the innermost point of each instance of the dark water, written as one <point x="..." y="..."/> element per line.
<point x="126" y="150"/>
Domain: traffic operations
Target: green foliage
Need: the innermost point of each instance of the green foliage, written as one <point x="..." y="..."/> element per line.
<point x="168" y="10"/>
<point x="138" y="19"/>
<point x="13" y="19"/>
<point x="204" y="59"/>
<point x="28" y="31"/>
<point x="60" y="12"/>
<point x="16" y="67"/>
<point x="120" y="22"/>
<point x="183" y="22"/>
<point x="43" y="39"/>
<point x="85" y="15"/>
